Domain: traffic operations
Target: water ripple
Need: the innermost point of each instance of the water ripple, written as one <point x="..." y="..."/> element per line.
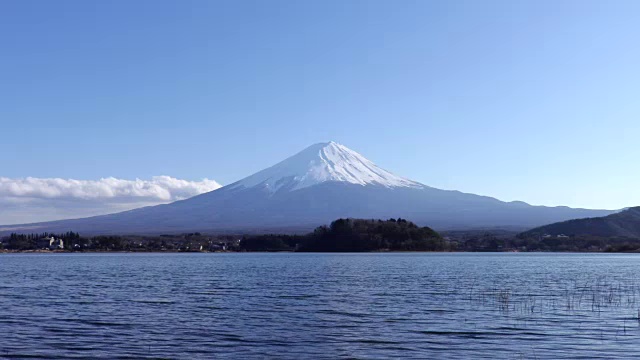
<point x="320" y="306"/>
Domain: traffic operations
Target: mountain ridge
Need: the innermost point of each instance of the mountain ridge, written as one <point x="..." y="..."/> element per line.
<point x="625" y="223"/>
<point x="321" y="183"/>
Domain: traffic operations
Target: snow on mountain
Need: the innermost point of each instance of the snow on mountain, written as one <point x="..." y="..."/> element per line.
<point x="321" y="163"/>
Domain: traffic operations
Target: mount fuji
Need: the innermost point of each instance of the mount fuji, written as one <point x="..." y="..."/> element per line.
<point x="323" y="182"/>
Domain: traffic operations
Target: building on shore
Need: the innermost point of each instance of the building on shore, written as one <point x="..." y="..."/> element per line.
<point x="51" y="243"/>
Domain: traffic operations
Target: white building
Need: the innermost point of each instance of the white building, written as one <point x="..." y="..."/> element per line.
<point x="51" y="243"/>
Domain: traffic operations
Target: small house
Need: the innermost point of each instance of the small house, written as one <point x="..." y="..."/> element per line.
<point x="51" y="243"/>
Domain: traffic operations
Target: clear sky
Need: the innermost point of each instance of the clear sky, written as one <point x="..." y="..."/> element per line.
<point x="521" y="100"/>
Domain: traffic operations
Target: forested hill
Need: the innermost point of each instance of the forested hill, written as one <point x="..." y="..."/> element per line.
<point x="354" y="235"/>
<point x="623" y="224"/>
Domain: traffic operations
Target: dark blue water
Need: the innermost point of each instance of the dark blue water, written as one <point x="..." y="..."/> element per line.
<point x="400" y="305"/>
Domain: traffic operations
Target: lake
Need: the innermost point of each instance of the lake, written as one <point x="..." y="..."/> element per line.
<point x="294" y="305"/>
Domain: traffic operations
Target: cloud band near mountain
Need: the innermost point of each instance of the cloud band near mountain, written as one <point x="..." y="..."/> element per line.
<point x="41" y="199"/>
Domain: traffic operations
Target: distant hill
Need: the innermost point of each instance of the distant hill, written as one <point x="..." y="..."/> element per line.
<point x="623" y="224"/>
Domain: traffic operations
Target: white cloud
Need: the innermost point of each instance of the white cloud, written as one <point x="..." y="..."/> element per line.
<point x="42" y="199"/>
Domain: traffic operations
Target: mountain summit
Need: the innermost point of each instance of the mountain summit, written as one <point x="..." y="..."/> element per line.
<point x="321" y="163"/>
<point x="321" y="183"/>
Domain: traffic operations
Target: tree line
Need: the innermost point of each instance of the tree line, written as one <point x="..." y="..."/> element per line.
<point x="75" y="242"/>
<point x="342" y="235"/>
<point x="353" y="235"/>
<point x="17" y="241"/>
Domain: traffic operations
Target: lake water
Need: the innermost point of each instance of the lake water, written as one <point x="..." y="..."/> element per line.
<point x="288" y="305"/>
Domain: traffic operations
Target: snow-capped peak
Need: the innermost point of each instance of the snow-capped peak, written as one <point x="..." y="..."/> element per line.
<point x="320" y="163"/>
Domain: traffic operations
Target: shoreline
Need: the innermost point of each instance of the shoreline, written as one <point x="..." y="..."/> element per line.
<point x="305" y="252"/>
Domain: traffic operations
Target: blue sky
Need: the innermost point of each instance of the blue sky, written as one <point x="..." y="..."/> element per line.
<point x="520" y="100"/>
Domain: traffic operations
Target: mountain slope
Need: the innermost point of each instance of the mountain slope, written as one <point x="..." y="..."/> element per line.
<point x="321" y="183"/>
<point x="623" y="224"/>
